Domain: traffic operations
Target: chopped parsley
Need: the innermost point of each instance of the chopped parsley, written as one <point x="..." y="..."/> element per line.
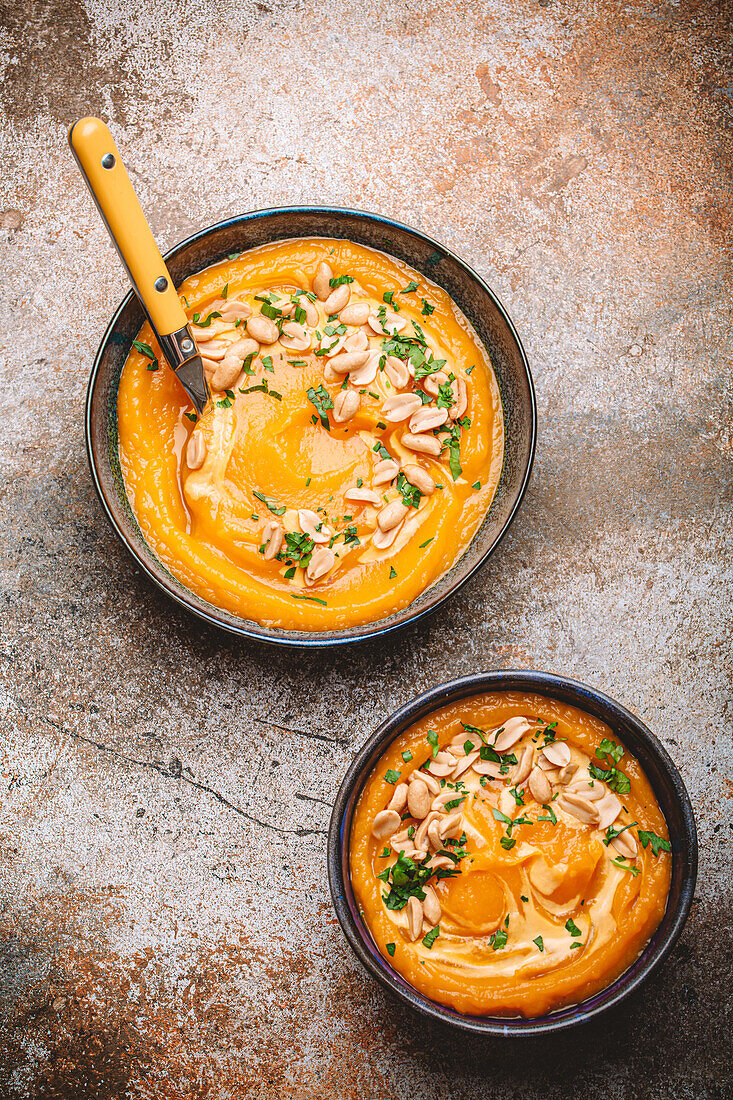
<point x="507" y="842"/>
<point x="339" y="280"/>
<point x="297" y="548"/>
<point x="205" y="324"/>
<point x="406" y="879"/>
<point x="427" y="309"/>
<point x="321" y="400"/>
<point x="431" y="937"/>
<point x="611" y="753"/>
<point x="313" y="599"/>
<point x="191" y="416"/>
<point x="411" y="495"/>
<point x="549" y="816"/>
<point x="227" y="402"/>
<point x="247" y="364"/>
<point x="445" y="397"/>
<point x="391" y="949"/>
<point x="423" y="369"/>
<point x="267" y="309"/>
<point x="612" y="833"/>
<point x="392" y="572"/>
<point x="267" y="362"/>
<point x="262" y="387"/>
<point x="426" y="543"/>
<point x="453" y="443"/>
<point x="626" y="866"/>
<point x="498" y="940"/>
<point x="275" y="508"/>
<point x="147" y="351"/>
<point x="658" y="843"/>
<point x="540" y="943"/>
<point x="432" y="740"/>
<point x="572" y="927"/>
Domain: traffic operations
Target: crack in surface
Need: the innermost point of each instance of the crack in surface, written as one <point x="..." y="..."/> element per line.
<point x="175" y="771"/>
<point x="312" y="798"/>
<point x="302" y="733"/>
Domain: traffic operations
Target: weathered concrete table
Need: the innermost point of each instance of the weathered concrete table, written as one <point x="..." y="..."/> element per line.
<point x="166" y="925"/>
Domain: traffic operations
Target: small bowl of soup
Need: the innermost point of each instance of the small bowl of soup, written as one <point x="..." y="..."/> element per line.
<point x="368" y="441"/>
<point x="512" y="853"/>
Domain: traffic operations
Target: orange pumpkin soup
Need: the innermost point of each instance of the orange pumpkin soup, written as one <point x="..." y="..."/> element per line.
<point x="351" y="449"/>
<point x="509" y="856"/>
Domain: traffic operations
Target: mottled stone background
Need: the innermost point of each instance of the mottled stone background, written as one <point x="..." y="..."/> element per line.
<point x="164" y="914"/>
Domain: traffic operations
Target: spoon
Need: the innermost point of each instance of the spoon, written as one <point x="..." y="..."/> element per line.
<point x="101" y="165"/>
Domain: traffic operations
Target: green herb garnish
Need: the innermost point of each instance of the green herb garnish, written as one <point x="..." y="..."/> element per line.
<point x="431" y="937"/>
<point x="658" y="843"/>
<point x="611" y="754"/>
<point x="626" y="866"/>
<point x="147" y="351"/>
<point x="612" y="833"/>
<point x="321" y="399"/>
<point x="549" y="816"/>
<point x="276" y="509"/>
<point x="228" y="400"/>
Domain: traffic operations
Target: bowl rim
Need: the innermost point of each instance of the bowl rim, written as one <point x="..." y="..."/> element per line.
<point x="564" y="689"/>
<point x="244" y="628"/>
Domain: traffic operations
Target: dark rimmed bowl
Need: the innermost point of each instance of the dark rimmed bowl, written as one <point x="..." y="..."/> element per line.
<point x="470" y="293"/>
<point x="668" y="788"/>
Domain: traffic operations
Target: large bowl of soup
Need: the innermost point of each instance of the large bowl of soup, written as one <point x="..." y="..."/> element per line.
<point x="368" y="442"/>
<point x="512" y="853"/>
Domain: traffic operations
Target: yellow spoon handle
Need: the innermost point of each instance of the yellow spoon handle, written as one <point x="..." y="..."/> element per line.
<point x="101" y="165"/>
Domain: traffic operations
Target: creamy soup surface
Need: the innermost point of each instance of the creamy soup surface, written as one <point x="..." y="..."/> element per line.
<point x="508" y="856"/>
<point x="351" y="449"/>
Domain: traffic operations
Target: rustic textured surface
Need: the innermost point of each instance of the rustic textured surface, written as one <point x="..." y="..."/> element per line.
<point x="164" y="914"/>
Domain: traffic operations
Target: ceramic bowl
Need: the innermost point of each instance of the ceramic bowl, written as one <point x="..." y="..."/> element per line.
<point x="471" y="294"/>
<point x="668" y="788"/>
